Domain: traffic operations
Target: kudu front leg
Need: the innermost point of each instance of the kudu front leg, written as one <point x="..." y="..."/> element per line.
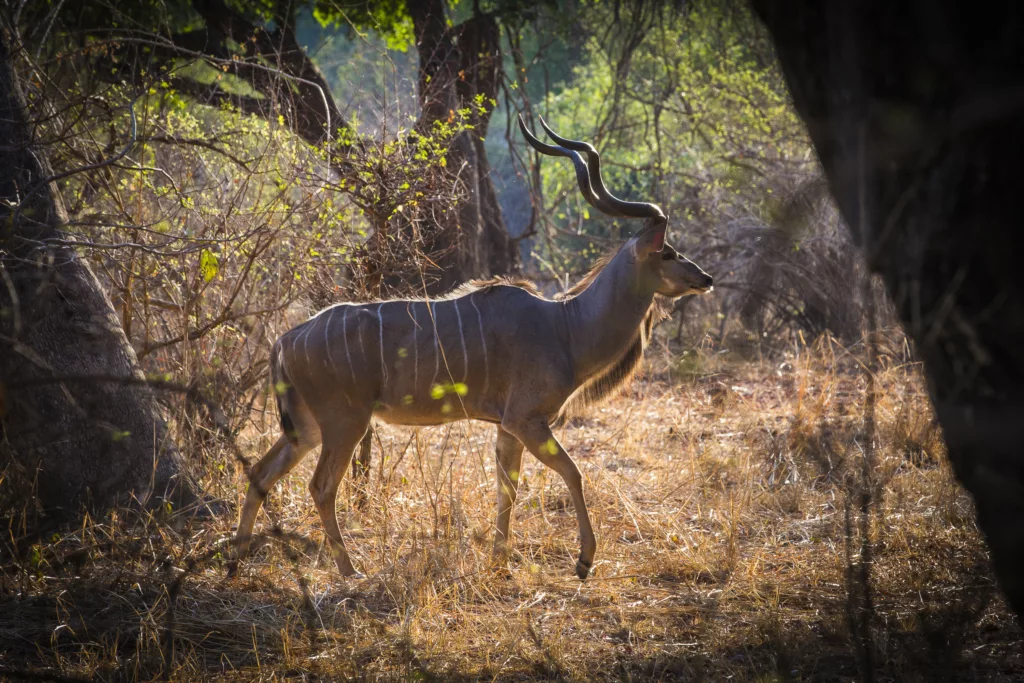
<point x="538" y="438"/>
<point x="509" y="455"/>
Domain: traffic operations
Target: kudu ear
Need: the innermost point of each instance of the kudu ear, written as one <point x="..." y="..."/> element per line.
<point x="651" y="238"/>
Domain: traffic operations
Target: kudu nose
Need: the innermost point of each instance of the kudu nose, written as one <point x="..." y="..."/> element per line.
<point x="708" y="281"/>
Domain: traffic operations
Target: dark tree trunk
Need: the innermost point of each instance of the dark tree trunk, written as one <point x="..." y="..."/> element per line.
<point x="479" y="45"/>
<point x="915" y="111"/>
<point x="97" y="443"/>
<point x="307" y="105"/>
<point x="457" y="66"/>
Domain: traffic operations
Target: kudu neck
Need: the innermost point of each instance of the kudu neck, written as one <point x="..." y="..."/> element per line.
<point x="606" y="316"/>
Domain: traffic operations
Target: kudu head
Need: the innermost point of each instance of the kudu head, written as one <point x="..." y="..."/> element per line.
<point x="660" y="268"/>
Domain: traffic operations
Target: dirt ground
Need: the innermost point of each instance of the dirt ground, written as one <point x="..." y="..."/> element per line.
<point x="749" y="527"/>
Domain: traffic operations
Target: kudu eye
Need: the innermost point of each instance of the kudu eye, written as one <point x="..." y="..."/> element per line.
<point x="668" y="255"/>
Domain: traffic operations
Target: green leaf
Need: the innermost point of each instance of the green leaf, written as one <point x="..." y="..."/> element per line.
<point x="209" y="264"/>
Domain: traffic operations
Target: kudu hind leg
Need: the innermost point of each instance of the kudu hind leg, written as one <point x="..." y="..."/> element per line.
<point x="336" y="454"/>
<point x="282" y="457"/>
<point x="361" y="469"/>
<point x="538" y="438"/>
<point x="509" y="454"/>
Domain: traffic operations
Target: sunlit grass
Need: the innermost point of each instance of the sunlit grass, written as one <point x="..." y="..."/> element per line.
<point x="719" y="499"/>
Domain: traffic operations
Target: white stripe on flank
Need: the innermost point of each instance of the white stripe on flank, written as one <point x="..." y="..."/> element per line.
<point x="327" y="339"/>
<point x="462" y="338"/>
<point x="415" y="348"/>
<point x="437" y="351"/>
<point x="280" y="362"/>
<point x="383" y="368"/>
<point x="483" y="340"/>
<point x="305" y="339"/>
<point x="359" y="324"/>
<point x="344" y="333"/>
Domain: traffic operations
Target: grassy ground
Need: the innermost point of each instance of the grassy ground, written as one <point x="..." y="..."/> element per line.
<point x="727" y="497"/>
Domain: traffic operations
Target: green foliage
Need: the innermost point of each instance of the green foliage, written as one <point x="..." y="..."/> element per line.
<point x="712" y="99"/>
<point x="701" y="125"/>
<point x="388" y="18"/>
<point x="209" y="264"/>
<point x="395" y="179"/>
<point x="202" y="72"/>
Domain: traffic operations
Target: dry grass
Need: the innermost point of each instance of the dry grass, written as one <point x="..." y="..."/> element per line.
<point x="720" y="491"/>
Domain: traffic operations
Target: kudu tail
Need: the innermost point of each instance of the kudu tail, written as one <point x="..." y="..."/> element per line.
<point x="283" y="392"/>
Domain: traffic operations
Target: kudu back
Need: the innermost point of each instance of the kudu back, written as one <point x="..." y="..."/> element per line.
<point x="495" y="351"/>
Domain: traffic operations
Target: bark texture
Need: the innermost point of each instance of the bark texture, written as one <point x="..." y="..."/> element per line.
<point x="458" y="65"/>
<point x="914" y="109"/>
<point x="304" y="101"/>
<point x="80" y="441"/>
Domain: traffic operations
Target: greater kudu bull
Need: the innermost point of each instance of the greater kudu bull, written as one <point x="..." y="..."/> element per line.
<point x="495" y="351"/>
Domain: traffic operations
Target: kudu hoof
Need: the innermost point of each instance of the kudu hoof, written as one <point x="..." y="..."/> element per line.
<point x="582" y="569"/>
<point x="500" y="570"/>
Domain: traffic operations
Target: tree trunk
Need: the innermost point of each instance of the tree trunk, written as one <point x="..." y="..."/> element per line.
<point x="94" y="442"/>
<point x="305" y="101"/>
<point x="459" y="69"/>
<point x="480" y="68"/>
<point x="914" y="109"/>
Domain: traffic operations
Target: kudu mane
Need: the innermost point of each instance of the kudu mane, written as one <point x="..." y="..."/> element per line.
<point x="491" y="283"/>
<point x="591" y="275"/>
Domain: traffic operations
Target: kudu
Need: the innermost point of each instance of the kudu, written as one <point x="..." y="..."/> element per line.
<point x="495" y="351"/>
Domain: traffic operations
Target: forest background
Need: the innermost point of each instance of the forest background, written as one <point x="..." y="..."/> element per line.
<point x="228" y="168"/>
